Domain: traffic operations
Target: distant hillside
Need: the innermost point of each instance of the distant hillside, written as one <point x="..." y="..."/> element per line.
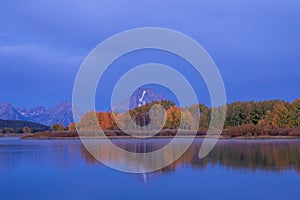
<point x="61" y="113"/>
<point x="17" y="126"/>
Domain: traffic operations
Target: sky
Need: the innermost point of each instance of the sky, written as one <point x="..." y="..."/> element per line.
<point x="254" y="43"/>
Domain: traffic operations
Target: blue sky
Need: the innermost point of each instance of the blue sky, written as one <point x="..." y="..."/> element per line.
<point x="254" y="43"/>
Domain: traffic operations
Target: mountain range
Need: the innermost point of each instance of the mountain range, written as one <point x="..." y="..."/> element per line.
<point x="61" y="113"/>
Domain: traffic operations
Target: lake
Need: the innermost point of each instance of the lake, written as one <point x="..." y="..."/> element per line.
<point x="235" y="169"/>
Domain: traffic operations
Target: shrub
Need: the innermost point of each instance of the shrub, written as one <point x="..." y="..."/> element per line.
<point x="246" y="130"/>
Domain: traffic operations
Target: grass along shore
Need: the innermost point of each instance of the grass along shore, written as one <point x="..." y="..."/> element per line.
<point x="242" y="132"/>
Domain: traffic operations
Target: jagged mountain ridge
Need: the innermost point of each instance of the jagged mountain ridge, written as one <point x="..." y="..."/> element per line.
<point x="144" y="95"/>
<point x="141" y="96"/>
<point x="61" y="113"/>
<point x="7" y="112"/>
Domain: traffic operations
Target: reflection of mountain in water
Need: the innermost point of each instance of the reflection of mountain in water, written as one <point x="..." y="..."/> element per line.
<point x="254" y="155"/>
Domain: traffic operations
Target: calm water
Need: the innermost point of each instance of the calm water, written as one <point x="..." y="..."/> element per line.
<point x="63" y="169"/>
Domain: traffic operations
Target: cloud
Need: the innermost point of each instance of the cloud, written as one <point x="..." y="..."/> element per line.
<point x="35" y="51"/>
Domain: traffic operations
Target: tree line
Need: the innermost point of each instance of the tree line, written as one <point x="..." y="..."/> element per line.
<point x="250" y="115"/>
<point x="17" y="126"/>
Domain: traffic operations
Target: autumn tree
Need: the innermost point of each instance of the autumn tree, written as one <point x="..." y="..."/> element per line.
<point x="106" y="120"/>
<point x="173" y="118"/>
<point x="283" y="117"/>
<point x="26" y="130"/>
<point x="157" y="117"/>
<point x="71" y="127"/>
<point x="296" y="108"/>
<point x="103" y="120"/>
<point x="267" y="120"/>
<point x="111" y="121"/>
<point x="89" y="121"/>
<point x="187" y="121"/>
<point x="124" y="121"/>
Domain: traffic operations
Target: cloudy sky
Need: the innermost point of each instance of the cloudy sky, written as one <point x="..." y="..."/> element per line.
<point x="255" y="44"/>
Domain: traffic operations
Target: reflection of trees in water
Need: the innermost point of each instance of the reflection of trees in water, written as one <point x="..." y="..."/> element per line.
<point x="256" y="155"/>
<point x="265" y="155"/>
<point x="102" y="149"/>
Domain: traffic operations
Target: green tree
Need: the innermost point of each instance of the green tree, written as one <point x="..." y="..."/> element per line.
<point x="234" y="115"/>
<point x="57" y="127"/>
<point x="200" y="113"/>
<point x="7" y="130"/>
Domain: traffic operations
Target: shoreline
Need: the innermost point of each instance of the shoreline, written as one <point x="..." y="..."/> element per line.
<point x="227" y="134"/>
<point x="156" y="137"/>
<point x="160" y="137"/>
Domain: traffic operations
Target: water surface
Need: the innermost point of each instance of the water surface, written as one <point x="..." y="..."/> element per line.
<point x="235" y="169"/>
